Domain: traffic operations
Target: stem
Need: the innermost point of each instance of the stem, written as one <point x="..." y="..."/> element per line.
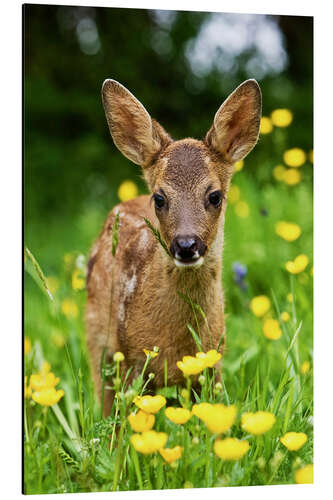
<point x="114" y="426"/>
<point x="147" y="467"/>
<point x="137" y="467"/>
<point x="207" y="458"/>
<point x="60" y="416"/>
<point x="119" y="457"/>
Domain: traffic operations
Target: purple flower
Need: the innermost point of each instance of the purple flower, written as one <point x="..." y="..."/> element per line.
<point x="240" y="272"/>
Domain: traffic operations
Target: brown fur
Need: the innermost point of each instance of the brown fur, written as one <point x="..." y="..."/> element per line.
<point x="141" y="281"/>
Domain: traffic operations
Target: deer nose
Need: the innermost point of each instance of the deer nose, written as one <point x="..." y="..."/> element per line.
<point x="187" y="248"/>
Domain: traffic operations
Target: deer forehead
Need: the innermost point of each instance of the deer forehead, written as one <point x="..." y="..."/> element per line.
<point x="186" y="167"/>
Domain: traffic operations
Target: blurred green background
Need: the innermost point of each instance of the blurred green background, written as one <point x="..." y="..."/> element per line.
<point x="180" y="65"/>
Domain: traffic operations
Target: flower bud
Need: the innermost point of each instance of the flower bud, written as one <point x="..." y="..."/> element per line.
<point x="118" y="357"/>
<point x="195" y="440"/>
<point x="202" y="379"/>
<point x="151" y="375"/>
<point x="156" y="348"/>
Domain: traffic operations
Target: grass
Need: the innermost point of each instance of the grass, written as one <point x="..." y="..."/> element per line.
<point x="70" y="448"/>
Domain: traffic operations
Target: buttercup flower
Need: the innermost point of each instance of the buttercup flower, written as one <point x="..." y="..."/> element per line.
<point x="281" y="117"/>
<point x="48" y="397"/>
<point x="177" y="415"/>
<point x="217" y="417"/>
<point x="239" y="165"/>
<point x="257" y="423"/>
<point x="278" y="172"/>
<point x="285" y="316"/>
<point x="201" y="409"/>
<point x="294" y="440"/>
<point x="272" y="329"/>
<point x="27" y="388"/>
<point x="266" y="125"/>
<point x="40" y="381"/>
<point x="305" y="367"/>
<point x="27" y="345"/>
<point x="191" y="365"/>
<point x="141" y="421"/>
<point x="58" y="339"/>
<point x="210" y="358"/>
<point x="242" y="209"/>
<point x="290" y="297"/>
<point x="294" y="157"/>
<point x="231" y="448"/>
<point x="298" y="265"/>
<point x="127" y="190"/>
<point x="78" y="281"/>
<point x="171" y="454"/>
<point x="292" y="176"/>
<point x="118" y="357"/>
<point x="69" y="308"/>
<point x="260" y="305"/>
<point x="288" y="230"/>
<point x="304" y="475"/>
<point x="233" y="194"/>
<point x="46" y="368"/>
<point x="150" y="404"/>
<point x="152" y="354"/>
<point x="149" y="441"/>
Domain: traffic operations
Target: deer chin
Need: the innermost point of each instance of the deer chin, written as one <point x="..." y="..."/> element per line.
<point x="192" y="264"/>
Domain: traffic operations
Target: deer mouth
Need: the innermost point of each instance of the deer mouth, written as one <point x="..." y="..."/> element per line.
<point x="181" y="263"/>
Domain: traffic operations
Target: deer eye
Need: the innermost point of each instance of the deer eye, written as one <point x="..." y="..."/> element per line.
<point x="215" y="198"/>
<point x="159" y="200"/>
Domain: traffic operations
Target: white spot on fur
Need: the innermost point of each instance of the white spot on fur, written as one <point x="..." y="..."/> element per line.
<point x="144" y="239"/>
<point x="130" y="285"/>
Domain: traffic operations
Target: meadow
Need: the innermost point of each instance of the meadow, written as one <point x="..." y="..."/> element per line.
<point x="242" y="436"/>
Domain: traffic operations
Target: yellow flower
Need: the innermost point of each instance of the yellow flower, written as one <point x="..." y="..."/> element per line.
<point x="257" y="423"/>
<point x="304" y="475"/>
<point x="281" y="117"/>
<point x="285" y="316"/>
<point x="58" y="339"/>
<point x="152" y="354"/>
<point x="288" y="230"/>
<point x="42" y="381"/>
<point x="127" y="191"/>
<point x="171" y="454"/>
<point x="294" y="440"/>
<point x="69" y="308"/>
<point x="191" y="365"/>
<point x="177" y="415"/>
<point x="278" y="172"/>
<point x="217" y="417"/>
<point x="242" y="209"/>
<point x="239" y="165"/>
<point x="52" y="283"/>
<point x="149" y="441"/>
<point x="290" y="297"/>
<point x="292" y="176"/>
<point x="231" y="448"/>
<point x="68" y="258"/>
<point x="260" y="305"/>
<point x="27" y="345"/>
<point x="78" y="281"/>
<point x="233" y="194"/>
<point x="118" y="357"/>
<point x="210" y="358"/>
<point x="305" y="367"/>
<point x="27" y="388"/>
<point x="266" y="125"/>
<point x="46" y="368"/>
<point x="311" y="155"/>
<point x="298" y="265"/>
<point x="48" y="397"/>
<point x="150" y="404"/>
<point x="141" y="421"/>
<point x="294" y="157"/>
<point x="201" y="409"/>
<point x="272" y="329"/>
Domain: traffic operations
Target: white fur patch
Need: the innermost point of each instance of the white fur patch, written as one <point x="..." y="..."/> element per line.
<point x="196" y="263"/>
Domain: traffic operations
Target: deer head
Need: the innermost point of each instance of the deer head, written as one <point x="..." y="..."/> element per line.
<point x="188" y="178"/>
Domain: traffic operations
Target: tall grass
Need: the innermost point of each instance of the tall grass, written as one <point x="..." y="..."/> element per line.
<point x="71" y="448"/>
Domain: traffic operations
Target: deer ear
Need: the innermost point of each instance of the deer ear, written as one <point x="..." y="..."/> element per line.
<point x="134" y="133"/>
<point x="236" y="124"/>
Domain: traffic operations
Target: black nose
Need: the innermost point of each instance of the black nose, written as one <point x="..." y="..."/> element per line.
<point x="187" y="248"/>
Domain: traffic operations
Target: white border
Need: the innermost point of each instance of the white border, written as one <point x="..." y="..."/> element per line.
<point x="11" y="242"/>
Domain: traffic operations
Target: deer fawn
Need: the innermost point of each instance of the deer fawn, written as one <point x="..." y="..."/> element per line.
<point x="133" y="297"/>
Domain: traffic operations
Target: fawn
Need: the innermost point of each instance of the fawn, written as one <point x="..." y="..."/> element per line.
<point x="133" y="297"/>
